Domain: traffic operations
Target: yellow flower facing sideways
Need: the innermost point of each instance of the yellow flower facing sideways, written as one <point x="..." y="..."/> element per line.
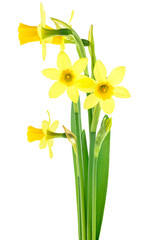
<point x="44" y="135"/>
<point x="33" y="33"/>
<point x="68" y="77"/>
<point x="105" y="87"/>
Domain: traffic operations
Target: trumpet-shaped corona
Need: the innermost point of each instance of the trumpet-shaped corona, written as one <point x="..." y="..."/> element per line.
<point x="27" y="34"/>
<point x="44" y="135"/>
<point x="68" y="77"/>
<point x="34" y="134"/>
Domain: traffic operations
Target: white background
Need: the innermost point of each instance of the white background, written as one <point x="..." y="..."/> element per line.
<point x="37" y="194"/>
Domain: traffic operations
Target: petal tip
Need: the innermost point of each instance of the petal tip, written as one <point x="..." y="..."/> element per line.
<point x="85" y="106"/>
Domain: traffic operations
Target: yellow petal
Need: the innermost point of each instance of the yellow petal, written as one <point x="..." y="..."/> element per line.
<point x="43" y="17"/>
<point x="54" y="126"/>
<point x="100" y="71"/>
<point x="73" y="93"/>
<point x="43" y="143"/>
<point x="121" y="92"/>
<point x="43" y="50"/>
<point x="49" y="117"/>
<point x="91" y="101"/>
<point x="116" y="76"/>
<point x="56" y="40"/>
<point x="107" y="105"/>
<point x="86" y="84"/>
<point x="63" y="61"/>
<point x="50" y="142"/>
<point x="50" y="153"/>
<point x="39" y="32"/>
<point x="57" y="89"/>
<point x="79" y="66"/>
<point x="71" y="17"/>
<point x="45" y="126"/>
<point x="62" y="45"/>
<point x="51" y="73"/>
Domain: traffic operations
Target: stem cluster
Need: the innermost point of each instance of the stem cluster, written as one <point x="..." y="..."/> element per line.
<point x="91" y="169"/>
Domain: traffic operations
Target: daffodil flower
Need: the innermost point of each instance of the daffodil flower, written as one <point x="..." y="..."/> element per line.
<point x="33" y="33"/>
<point x="68" y="77"/>
<point x="44" y="135"/>
<point x="105" y="87"/>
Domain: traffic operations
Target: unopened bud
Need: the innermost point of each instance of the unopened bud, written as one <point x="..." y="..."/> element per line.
<point x="102" y="133"/>
<point x="72" y="138"/>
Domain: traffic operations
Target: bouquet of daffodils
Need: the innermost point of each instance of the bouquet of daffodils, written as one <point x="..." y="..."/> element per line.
<point x="91" y="164"/>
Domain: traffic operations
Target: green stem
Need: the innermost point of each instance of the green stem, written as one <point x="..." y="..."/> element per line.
<point x="85" y="162"/>
<point x="76" y="171"/>
<point x="89" y="191"/>
<point x="45" y="33"/>
<point x="81" y="53"/>
<point x="55" y="135"/>
<point x="93" y="59"/>
<point x="81" y="180"/>
<point x="77" y="194"/>
<point x="94" y="193"/>
<point x="79" y="215"/>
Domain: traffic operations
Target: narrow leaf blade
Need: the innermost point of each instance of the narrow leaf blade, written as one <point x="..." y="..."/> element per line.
<point x="102" y="182"/>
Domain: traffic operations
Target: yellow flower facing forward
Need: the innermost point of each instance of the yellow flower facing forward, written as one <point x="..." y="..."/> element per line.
<point x="105" y="87"/>
<point x="33" y="33"/>
<point x="44" y="135"/>
<point x="68" y="77"/>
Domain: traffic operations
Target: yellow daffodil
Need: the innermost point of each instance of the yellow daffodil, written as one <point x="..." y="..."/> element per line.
<point x="44" y="135"/>
<point x="105" y="87"/>
<point x="68" y="77"/>
<point x="33" y="33"/>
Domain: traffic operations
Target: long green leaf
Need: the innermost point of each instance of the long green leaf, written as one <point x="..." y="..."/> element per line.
<point x="102" y="182"/>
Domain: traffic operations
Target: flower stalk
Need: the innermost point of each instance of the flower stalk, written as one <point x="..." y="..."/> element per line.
<point x="46" y="33"/>
<point x="80" y="166"/>
<point x="81" y="52"/>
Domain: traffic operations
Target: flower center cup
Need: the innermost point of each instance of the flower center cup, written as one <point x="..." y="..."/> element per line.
<point x="104" y="88"/>
<point x="104" y="91"/>
<point x="67" y="77"/>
